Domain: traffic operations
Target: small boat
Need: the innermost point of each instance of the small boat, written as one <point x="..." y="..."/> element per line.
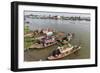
<point x="44" y="42"/>
<point x="40" y="46"/>
<point x="64" y="53"/>
<point x="47" y="37"/>
<point x="64" y="37"/>
<point x="29" y="34"/>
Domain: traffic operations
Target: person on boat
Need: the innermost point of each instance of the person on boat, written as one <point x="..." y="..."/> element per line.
<point x="43" y="41"/>
<point x="56" y="52"/>
<point x="41" y="32"/>
<point x="69" y="36"/>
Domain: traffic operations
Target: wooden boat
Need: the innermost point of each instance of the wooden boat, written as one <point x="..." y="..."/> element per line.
<point x="30" y="34"/>
<point x="44" y="42"/>
<point x="38" y="36"/>
<point x="64" y="37"/>
<point x="40" y="46"/>
<point x="64" y="53"/>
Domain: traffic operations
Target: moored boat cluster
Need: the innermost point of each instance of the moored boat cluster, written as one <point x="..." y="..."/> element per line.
<point x="48" y="37"/>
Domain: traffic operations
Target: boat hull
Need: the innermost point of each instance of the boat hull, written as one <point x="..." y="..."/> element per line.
<point x="62" y="55"/>
<point x="38" y="46"/>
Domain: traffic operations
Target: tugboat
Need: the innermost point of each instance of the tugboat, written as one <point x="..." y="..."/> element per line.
<point x="63" y="51"/>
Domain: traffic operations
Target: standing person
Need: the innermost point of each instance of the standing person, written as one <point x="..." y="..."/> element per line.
<point x="69" y="36"/>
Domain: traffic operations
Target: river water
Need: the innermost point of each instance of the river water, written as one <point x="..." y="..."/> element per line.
<point x="82" y="36"/>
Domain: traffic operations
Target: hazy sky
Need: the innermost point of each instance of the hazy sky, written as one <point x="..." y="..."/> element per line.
<point x="57" y="13"/>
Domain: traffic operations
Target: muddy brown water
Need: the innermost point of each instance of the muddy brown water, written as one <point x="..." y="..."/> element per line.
<point x="81" y="29"/>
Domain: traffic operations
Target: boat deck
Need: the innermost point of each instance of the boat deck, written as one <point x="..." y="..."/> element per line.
<point x="62" y="55"/>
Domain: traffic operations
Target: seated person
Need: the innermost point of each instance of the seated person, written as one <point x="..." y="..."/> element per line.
<point x="56" y="52"/>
